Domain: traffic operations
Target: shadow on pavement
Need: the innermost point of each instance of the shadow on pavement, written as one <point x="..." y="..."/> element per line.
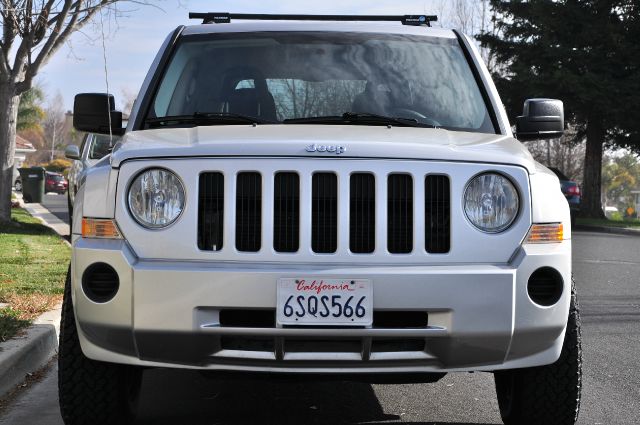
<point x="194" y="399"/>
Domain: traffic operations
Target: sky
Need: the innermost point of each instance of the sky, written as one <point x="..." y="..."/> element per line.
<point x="133" y="39"/>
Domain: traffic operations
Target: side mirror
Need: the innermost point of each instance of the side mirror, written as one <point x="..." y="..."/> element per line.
<point x="72" y="152"/>
<point x="541" y="119"/>
<point x="91" y="113"/>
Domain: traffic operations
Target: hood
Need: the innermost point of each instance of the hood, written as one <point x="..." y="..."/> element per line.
<point x="331" y="141"/>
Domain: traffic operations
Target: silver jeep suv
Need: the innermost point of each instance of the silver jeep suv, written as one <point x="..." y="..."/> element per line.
<point x="295" y="195"/>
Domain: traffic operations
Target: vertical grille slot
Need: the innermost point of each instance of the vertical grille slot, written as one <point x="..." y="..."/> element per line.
<point x="437" y="214"/>
<point x="362" y="213"/>
<point x="248" y="211"/>
<point x="324" y="213"/>
<point x="286" y="212"/>
<point x="210" y="211"/>
<point x="400" y="213"/>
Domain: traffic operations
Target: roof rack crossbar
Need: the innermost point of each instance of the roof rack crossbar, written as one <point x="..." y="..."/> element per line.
<point x="223" y="18"/>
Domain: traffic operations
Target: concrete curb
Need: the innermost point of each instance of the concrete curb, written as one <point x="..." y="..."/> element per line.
<point x="33" y="350"/>
<point x="604" y="229"/>
<point x="28" y="353"/>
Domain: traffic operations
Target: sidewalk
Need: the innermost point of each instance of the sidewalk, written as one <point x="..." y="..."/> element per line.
<point x="49" y="219"/>
<point x="32" y="350"/>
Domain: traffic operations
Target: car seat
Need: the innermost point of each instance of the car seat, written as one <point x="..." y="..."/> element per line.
<point x="375" y="99"/>
<point x="254" y="102"/>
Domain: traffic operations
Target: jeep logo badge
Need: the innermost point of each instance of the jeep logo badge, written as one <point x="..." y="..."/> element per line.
<point x="327" y="148"/>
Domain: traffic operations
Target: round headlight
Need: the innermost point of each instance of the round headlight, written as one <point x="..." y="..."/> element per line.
<point x="156" y="198"/>
<point x="491" y="202"/>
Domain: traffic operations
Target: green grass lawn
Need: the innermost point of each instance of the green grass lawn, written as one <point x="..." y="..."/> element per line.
<point x="633" y="224"/>
<point x="33" y="266"/>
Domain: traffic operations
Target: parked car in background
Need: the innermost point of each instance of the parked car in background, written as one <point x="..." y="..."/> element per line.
<point x="55" y="182"/>
<point x="571" y="191"/>
<point x="610" y="211"/>
<point x="17" y="181"/>
<point x="94" y="147"/>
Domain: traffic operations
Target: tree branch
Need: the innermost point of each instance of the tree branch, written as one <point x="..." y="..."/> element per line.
<point x="9" y="29"/>
<point x="54" y="18"/>
<point x="75" y="24"/>
<point x="91" y="9"/>
<point x="56" y="33"/>
<point x="25" y="82"/>
<point x="23" y="51"/>
<point x="70" y="17"/>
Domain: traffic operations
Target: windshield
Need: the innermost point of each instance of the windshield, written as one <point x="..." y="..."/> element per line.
<point x="55" y="177"/>
<point x="102" y="145"/>
<point x="280" y="77"/>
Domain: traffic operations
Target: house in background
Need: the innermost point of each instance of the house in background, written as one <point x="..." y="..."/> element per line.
<point x="23" y="147"/>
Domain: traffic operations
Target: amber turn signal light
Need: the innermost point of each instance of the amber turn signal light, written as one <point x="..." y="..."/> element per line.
<point x="545" y="233"/>
<point x="100" y="228"/>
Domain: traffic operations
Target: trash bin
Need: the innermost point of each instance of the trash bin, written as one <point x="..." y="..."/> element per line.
<point x="32" y="184"/>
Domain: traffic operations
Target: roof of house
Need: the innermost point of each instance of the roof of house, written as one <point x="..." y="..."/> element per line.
<point x="23" y="145"/>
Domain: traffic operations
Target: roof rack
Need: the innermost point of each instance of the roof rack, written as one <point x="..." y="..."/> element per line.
<point x="225" y="18"/>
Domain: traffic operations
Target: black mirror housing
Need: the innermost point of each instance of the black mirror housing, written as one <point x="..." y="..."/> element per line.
<point x="541" y="119"/>
<point x="91" y="113"/>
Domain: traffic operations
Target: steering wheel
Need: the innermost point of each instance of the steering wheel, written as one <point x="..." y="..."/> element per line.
<point x="410" y="113"/>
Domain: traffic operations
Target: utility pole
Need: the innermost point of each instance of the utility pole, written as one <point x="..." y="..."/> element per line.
<point x="53" y="140"/>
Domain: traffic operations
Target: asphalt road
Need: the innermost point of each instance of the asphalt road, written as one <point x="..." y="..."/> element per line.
<point x="607" y="271"/>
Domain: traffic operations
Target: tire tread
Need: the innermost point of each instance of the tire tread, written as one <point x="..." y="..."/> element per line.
<point x="548" y="395"/>
<point x="89" y="391"/>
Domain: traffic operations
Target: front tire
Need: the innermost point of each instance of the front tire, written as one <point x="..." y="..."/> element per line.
<point x="548" y="395"/>
<point x="92" y="392"/>
<point x="70" y="209"/>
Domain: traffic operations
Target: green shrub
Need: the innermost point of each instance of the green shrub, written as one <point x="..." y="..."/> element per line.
<point x="616" y="216"/>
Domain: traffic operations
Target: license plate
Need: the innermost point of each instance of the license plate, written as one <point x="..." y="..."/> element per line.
<point x="325" y="302"/>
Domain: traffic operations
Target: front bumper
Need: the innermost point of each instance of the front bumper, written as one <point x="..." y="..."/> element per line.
<point x="480" y="317"/>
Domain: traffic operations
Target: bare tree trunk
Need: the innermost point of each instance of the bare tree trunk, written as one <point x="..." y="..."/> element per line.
<point x="591" y="205"/>
<point x="8" y="119"/>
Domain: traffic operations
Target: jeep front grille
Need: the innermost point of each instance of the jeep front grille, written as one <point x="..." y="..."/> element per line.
<point x="437" y="209"/>
<point x="325" y="200"/>
<point x="399" y="213"/>
<point x="324" y="213"/>
<point x="362" y="213"/>
<point x="286" y="212"/>
<point x="211" y="211"/>
<point x="248" y="212"/>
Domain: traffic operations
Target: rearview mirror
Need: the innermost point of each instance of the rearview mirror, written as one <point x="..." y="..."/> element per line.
<point x="93" y="112"/>
<point x="541" y="119"/>
<point x="72" y="152"/>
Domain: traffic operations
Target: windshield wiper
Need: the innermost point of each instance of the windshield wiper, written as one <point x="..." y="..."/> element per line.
<point x="205" y="118"/>
<point x="357" y="118"/>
